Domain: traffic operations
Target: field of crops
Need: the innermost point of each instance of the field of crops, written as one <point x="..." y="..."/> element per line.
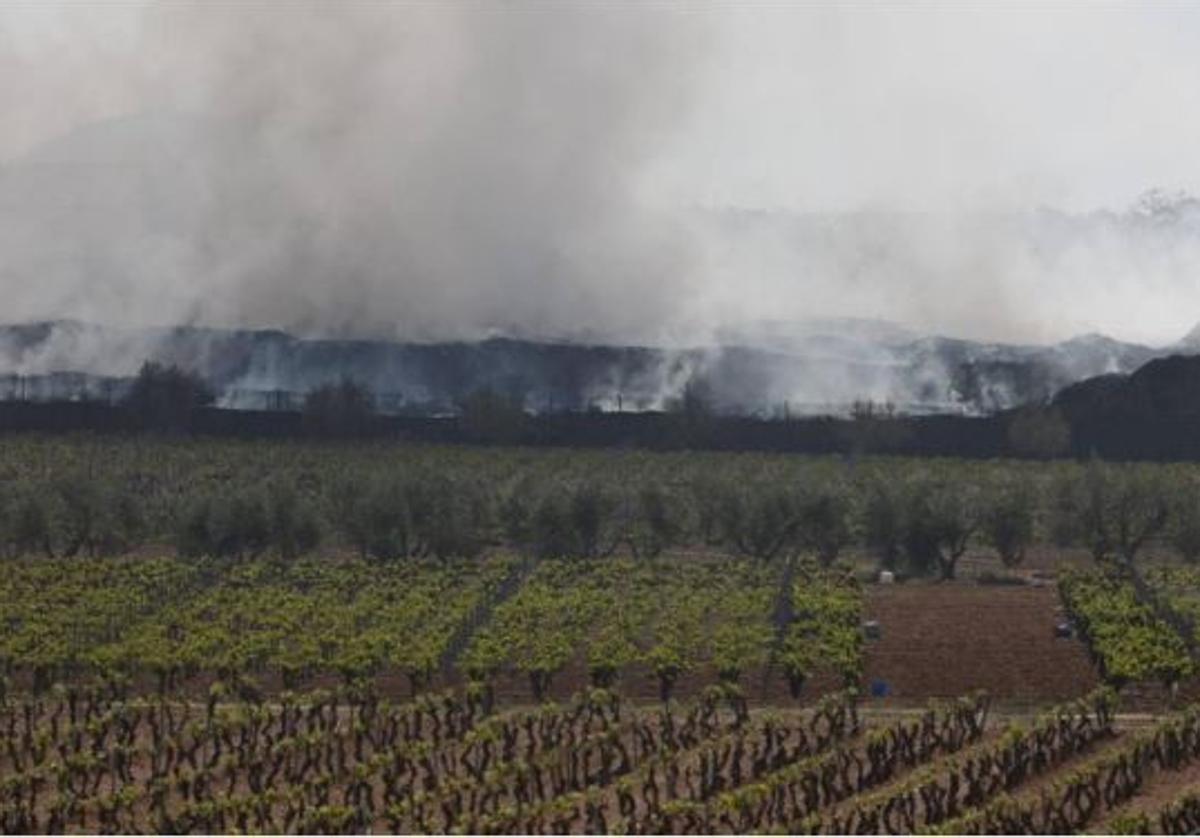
<point x="347" y="761"/>
<point x="204" y="636"/>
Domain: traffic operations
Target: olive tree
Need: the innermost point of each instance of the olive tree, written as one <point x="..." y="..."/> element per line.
<point x="940" y="519"/>
<point x="97" y="518"/>
<point x="455" y="516"/>
<point x="1184" y="529"/>
<point x="653" y="522"/>
<point x="248" y="524"/>
<point x="882" y="522"/>
<point x="1115" y="511"/>
<point x="229" y="525"/>
<point x="824" y="521"/>
<point x="444" y="516"/>
<point x="760" y="520"/>
<point x="292" y="525"/>
<point x="25" y="520"/>
<point x="1008" y="521"/>
<point x="579" y="520"/>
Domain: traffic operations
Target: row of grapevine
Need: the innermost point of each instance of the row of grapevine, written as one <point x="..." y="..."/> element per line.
<point x="1179" y="816"/>
<point x="967" y="780"/>
<point x="249" y="624"/>
<point x="825" y="630"/>
<point x="793" y="797"/>
<point x="671" y="617"/>
<point x="169" y="619"/>
<point x="1125" y="638"/>
<point x="83" y="760"/>
<point x="1100" y="785"/>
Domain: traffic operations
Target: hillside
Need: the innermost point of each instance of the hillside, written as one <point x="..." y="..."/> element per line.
<point x="1162" y="388"/>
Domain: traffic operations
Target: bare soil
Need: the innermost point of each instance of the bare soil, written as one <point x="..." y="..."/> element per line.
<point x="946" y="639"/>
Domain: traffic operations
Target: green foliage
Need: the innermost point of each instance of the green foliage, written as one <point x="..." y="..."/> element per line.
<point x="1131" y="823"/>
<point x="1008" y="522"/>
<point x="673" y="616"/>
<point x="292" y="525"/>
<point x="825" y="632"/>
<point x="761" y="520"/>
<point x="100" y="518"/>
<point x="248" y="524"/>
<point x="425" y="516"/>
<point x="173" y="618"/>
<point x="940" y="517"/>
<point x="390" y="501"/>
<point x="883" y="522"/>
<point x="25" y="522"/>
<point x="655" y="521"/>
<point x="578" y="520"/>
<point x="225" y="526"/>
<point x="1184" y="532"/>
<point x="1115" y="510"/>
<point x="1127" y="641"/>
<point x="824" y="520"/>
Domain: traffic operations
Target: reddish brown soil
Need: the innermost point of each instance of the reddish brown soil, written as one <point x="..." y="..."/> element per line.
<point x="950" y="638"/>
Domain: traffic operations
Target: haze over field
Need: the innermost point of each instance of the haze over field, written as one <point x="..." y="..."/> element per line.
<point x="668" y="174"/>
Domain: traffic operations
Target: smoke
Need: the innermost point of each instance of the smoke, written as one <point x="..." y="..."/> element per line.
<point x="672" y="175"/>
<point x="922" y="140"/>
<point x="1039" y="276"/>
<point x="415" y="171"/>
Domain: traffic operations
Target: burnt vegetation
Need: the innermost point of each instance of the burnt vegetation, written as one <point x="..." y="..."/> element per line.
<point x="1147" y="415"/>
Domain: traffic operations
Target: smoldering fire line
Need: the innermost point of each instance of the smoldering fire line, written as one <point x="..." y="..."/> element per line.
<point x="74" y="361"/>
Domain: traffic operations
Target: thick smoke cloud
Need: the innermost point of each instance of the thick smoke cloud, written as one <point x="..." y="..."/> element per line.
<point x="1028" y="277"/>
<point x="654" y="173"/>
<point x="415" y="171"/>
<point x="925" y="138"/>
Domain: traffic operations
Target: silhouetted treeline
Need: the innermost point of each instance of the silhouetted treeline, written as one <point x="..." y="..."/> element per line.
<point x="1153" y="414"/>
<point x="950" y="436"/>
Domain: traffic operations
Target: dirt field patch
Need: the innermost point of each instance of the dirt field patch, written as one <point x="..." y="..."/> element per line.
<point x="947" y="639"/>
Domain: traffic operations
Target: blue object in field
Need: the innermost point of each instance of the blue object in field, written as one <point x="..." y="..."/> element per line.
<point x="880" y="689"/>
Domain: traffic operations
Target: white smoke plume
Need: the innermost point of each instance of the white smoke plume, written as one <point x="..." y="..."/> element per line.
<point x="665" y="173"/>
<point x="402" y="170"/>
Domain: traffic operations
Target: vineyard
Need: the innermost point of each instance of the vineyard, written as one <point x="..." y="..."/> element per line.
<point x="212" y="637"/>
<point x="345" y="760"/>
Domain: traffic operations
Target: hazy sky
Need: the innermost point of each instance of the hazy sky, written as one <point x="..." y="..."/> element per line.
<point x="437" y="170"/>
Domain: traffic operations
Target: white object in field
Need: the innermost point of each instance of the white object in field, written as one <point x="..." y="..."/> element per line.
<point x="886" y="577"/>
